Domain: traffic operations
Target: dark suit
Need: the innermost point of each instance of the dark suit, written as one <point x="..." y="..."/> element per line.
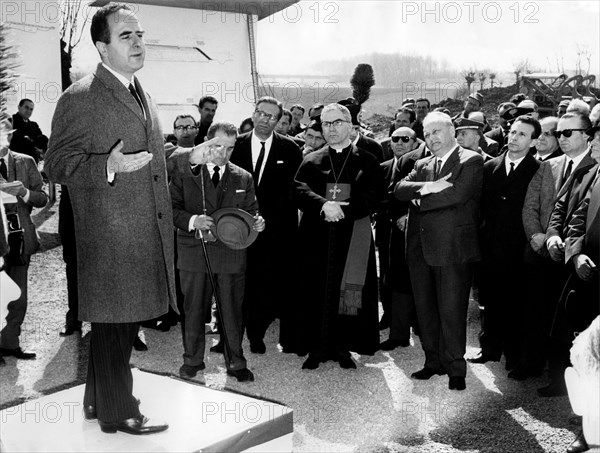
<point x="27" y="137"/>
<point x="502" y="286"/>
<point x="66" y="229"/>
<point x="371" y="146"/>
<point x="235" y="190"/>
<point x="270" y="257"/>
<point x="499" y="135"/>
<point x="22" y="168"/>
<point x="441" y="241"/>
<point x="545" y="278"/>
<point x="123" y="229"/>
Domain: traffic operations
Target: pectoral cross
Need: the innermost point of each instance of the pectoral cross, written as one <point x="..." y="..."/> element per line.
<point x="334" y="191"/>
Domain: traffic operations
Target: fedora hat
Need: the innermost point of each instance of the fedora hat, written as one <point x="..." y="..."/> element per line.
<point x="233" y="227"/>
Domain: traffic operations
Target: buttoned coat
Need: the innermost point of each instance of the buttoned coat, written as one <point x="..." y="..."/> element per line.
<point x="542" y="195"/>
<point x="235" y="190"/>
<point x="446" y="221"/>
<point x="22" y="167"/>
<point x="124" y="230"/>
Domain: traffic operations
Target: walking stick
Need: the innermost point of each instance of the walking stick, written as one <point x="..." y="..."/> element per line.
<point x="217" y="297"/>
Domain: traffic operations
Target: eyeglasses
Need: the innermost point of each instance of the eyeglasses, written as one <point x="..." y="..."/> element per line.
<point x="270" y="117"/>
<point x="397" y="138"/>
<point x="186" y="128"/>
<point x="567" y="132"/>
<point x="336" y="123"/>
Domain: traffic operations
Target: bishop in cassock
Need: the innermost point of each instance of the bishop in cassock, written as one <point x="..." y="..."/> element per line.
<point x="337" y="188"/>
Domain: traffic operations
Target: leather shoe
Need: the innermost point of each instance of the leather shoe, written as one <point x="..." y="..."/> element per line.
<point x="135" y="425"/>
<point x="483" y="358"/>
<point x="258" y="347"/>
<point x="389" y="345"/>
<point x="426" y="373"/>
<point x="347" y="363"/>
<point x="139" y="345"/>
<point x="242" y="375"/>
<point x="555" y="388"/>
<point x="69" y="330"/>
<point x="457" y="383"/>
<point x="89" y="411"/>
<point x="312" y="363"/>
<point x="218" y="348"/>
<point x="579" y="444"/>
<point x="190" y="371"/>
<point x="18" y="353"/>
<point x="384" y="323"/>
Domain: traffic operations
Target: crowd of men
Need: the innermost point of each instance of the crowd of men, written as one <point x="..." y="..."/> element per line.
<point x="276" y="222"/>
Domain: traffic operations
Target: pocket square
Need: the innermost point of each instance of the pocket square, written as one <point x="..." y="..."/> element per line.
<point x="280" y="162"/>
<point x="240" y="191"/>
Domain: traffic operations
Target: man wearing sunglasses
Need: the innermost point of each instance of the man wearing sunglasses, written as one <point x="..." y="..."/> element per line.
<point x="394" y="281"/>
<point x="272" y="159"/>
<point x="545" y="278"/>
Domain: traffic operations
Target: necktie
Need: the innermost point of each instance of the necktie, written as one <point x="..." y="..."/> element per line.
<point x="259" y="162"/>
<point x="3" y="169"/>
<point x="438" y="167"/>
<point x="512" y="168"/>
<point x="568" y="171"/>
<point x="135" y="95"/>
<point x="215" y="177"/>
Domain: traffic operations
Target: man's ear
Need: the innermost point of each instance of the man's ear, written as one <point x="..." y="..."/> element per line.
<point x="533" y="143"/>
<point x="101" y="47"/>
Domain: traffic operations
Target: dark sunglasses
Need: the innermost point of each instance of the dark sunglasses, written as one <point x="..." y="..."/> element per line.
<point x="397" y="138"/>
<point x="567" y="132"/>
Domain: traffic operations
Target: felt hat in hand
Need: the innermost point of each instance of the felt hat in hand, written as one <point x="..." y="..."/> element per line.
<point x="233" y="227"/>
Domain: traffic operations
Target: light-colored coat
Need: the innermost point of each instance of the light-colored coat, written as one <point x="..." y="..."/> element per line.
<point x="124" y="230"/>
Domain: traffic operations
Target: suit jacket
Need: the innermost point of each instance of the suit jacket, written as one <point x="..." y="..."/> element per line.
<point x="583" y="233"/>
<point x="499" y="136"/>
<point x="274" y="189"/>
<point x="124" y="230"/>
<point x="503" y="236"/>
<point x="568" y="199"/>
<point x="371" y="146"/>
<point x="23" y="168"/>
<point x="3" y="232"/>
<point x="235" y="190"/>
<point x="542" y="192"/>
<point x="27" y="137"/>
<point x="445" y="224"/>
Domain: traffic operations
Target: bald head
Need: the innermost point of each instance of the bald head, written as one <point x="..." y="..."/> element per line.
<point x="404" y="140"/>
<point x="439" y="133"/>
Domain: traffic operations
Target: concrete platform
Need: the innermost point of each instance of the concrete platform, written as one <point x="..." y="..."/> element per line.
<point x="200" y="420"/>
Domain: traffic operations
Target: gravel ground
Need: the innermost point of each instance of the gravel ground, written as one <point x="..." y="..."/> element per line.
<point x="375" y="408"/>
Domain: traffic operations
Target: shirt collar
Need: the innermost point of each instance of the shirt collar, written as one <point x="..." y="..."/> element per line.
<point x="508" y="161"/>
<point x="577" y="160"/>
<point x="257" y="141"/>
<point x="119" y="77"/>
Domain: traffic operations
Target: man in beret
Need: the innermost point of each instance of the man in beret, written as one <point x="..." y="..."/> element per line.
<point x="219" y="185"/>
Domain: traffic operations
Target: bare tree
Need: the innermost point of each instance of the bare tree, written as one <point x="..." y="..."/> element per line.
<point x="469" y="76"/>
<point x="482" y="78"/>
<point x="8" y="56"/>
<point x="520" y="68"/>
<point x="584" y="57"/>
<point x="492" y="77"/>
<point x="70" y="35"/>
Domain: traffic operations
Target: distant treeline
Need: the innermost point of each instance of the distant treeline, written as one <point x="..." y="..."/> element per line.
<point x="391" y="70"/>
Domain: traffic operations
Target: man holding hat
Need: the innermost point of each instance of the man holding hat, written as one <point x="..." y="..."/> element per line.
<point x="202" y="210"/>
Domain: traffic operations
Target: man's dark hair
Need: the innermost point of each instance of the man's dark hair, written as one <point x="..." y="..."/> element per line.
<point x="297" y="106"/>
<point x="315" y="125"/>
<point x="271" y="100"/>
<point x="584" y="120"/>
<point x="182" y="117"/>
<point x="528" y="119"/>
<point x="99" y="29"/>
<point x="228" y="128"/>
<point x="244" y="123"/>
<point x="315" y="107"/>
<point x="204" y="99"/>
<point x="287" y="113"/>
<point x="410" y="112"/>
<point x="23" y="101"/>
<point x="424" y="100"/>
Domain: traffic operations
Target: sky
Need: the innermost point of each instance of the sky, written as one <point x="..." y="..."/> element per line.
<point x="467" y="34"/>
